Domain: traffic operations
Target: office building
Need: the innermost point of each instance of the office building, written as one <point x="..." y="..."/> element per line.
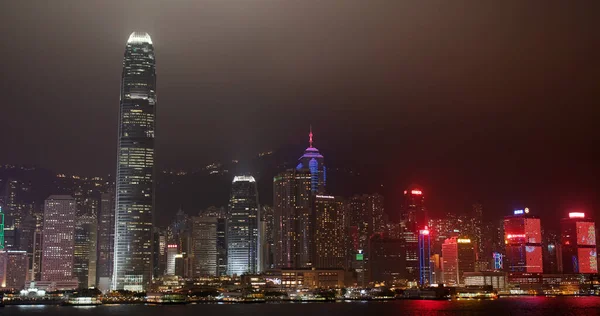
<point x="172" y="253"/>
<point x="387" y="261"/>
<point x="106" y="241"/>
<point x="425" y="271"/>
<point x="414" y="217"/>
<point x="293" y="219"/>
<point x="315" y="163"/>
<point x="523" y="242"/>
<point x="85" y="256"/>
<point x="458" y="257"/>
<point x="135" y="167"/>
<point x="58" y="238"/>
<point x="13" y="269"/>
<point x="578" y="243"/>
<point x="329" y="233"/>
<point x="243" y="238"/>
<point x="205" y="254"/>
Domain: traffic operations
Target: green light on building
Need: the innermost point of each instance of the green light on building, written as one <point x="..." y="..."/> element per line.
<point x="360" y="257"/>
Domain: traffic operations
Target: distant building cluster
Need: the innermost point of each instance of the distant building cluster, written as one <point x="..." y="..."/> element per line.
<point x="103" y="233"/>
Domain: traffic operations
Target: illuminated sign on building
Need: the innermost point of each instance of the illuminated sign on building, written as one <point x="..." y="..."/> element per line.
<point x="511" y="236"/>
<point x="424" y="232"/>
<point x="586" y="233"/>
<point x="587" y="260"/>
<point x="416" y="192"/>
<point x="518" y="212"/>
<point x="576" y="215"/>
<point x="463" y="241"/>
<point x="360" y="257"/>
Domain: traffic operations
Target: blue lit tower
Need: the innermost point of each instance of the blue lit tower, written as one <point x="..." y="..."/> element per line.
<point x="135" y="167"/>
<point x="314" y="161"/>
<point x="425" y="275"/>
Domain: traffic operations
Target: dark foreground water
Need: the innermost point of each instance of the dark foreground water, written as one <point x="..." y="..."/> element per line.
<point x="502" y="306"/>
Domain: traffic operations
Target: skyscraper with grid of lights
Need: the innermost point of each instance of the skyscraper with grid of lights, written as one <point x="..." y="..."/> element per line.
<point x="135" y="166"/>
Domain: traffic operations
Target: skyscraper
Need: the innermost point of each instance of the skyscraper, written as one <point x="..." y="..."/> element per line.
<point x="315" y="163"/>
<point x="329" y="233"/>
<point x="458" y="257"/>
<point x="523" y="242"/>
<point x="204" y="245"/>
<point x="243" y="239"/>
<point x="135" y="166"/>
<point x="106" y="240"/>
<point x="578" y="241"/>
<point x="414" y="217"/>
<point x="1" y="229"/>
<point x="84" y="257"/>
<point x="425" y="271"/>
<point x="59" y="236"/>
<point x="293" y="219"/>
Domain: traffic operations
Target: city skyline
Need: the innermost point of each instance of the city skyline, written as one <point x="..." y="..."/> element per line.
<point x="416" y="174"/>
<point x="415" y="117"/>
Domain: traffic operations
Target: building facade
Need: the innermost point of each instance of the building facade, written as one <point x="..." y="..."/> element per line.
<point x="13" y="269"/>
<point x="205" y="254"/>
<point x="106" y="241"/>
<point x="58" y="238"/>
<point x="458" y="257"/>
<point x="329" y="233"/>
<point x="84" y="255"/>
<point x="243" y="238"/>
<point x="523" y="243"/>
<point x="135" y="167"/>
<point x="578" y="243"/>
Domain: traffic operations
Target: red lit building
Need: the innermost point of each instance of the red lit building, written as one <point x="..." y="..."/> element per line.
<point x="458" y="257"/>
<point x="523" y="243"/>
<point x="578" y="240"/>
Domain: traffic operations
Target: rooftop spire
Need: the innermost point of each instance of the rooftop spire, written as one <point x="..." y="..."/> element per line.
<point x="310" y="135"/>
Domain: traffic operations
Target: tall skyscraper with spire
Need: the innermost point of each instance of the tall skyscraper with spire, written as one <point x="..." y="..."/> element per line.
<point x="314" y="161"/>
<point x="135" y="166"/>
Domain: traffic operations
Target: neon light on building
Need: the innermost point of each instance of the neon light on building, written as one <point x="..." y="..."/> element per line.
<point x="576" y="215"/>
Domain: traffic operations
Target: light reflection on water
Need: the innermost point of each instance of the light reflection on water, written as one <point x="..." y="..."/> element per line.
<point x="502" y="306"/>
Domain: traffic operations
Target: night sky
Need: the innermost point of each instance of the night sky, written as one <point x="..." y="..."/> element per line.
<point x="474" y="100"/>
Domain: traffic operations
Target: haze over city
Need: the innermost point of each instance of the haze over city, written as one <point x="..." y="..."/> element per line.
<point x="297" y="151"/>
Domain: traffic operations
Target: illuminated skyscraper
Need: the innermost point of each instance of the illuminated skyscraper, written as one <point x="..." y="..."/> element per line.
<point x="135" y="167"/>
<point x="458" y="257"/>
<point x="204" y="245"/>
<point x="59" y="237"/>
<point x="293" y="220"/>
<point x="243" y="238"/>
<point x="425" y="273"/>
<point x="106" y="240"/>
<point x="315" y="163"/>
<point x="523" y="242"/>
<point x="413" y="217"/>
<point x="329" y="233"/>
<point x="1" y="229"/>
<point x="578" y="240"/>
<point x="85" y="256"/>
<point x="171" y="256"/>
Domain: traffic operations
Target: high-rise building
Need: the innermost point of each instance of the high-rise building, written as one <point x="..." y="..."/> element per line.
<point x="293" y="218"/>
<point x="268" y="218"/>
<point x="458" y="257"/>
<point x="477" y="224"/>
<point x="414" y="216"/>
<point x="135" y="167"/>
<point x="365" y="217"/>
<point x="578" y="241"/>
<point x="329" y="233"/>
<point x="59" y="237"/>
<point x="160" y="252"/>
<point x="315" y="163"/>
<point x="387" y="262"/>
<point x="106" y="241"/>
<point x="204" y="236"/>
<point x="523" y="243"/>
<point x="243" y="238"/>
<point x="221" y="246"/>
<point x="13" y="269"/>
<point x="425" y="271"/>
<point x="84" y="256"/>
<point x="172" y="253"/>
<point x="552" y="252"/>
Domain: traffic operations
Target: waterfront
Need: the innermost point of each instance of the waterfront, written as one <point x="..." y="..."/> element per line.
<point x="503" y="306"/>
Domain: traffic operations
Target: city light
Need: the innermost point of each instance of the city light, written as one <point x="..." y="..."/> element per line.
<point x="511" y="236"/>
<point x="576" y="215"/>
<point x="518" y="212"/>
<point x="463" y="241"/>
<point x="416" y="192"/>
<point x="424" y="232"/>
